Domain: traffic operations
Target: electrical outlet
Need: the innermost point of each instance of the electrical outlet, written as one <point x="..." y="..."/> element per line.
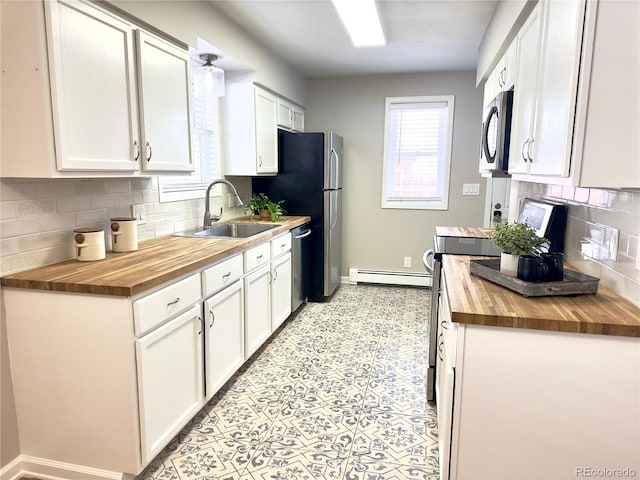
<point x="407" y="261"/>
<point x="138" y="212"/>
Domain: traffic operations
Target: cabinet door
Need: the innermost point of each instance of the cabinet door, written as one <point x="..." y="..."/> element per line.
<point x="509" y="62"/>
<point x="445" y="416"/>
<point x="257" y="309"/>
<point x="285" y="114"/>
<point x="93" y="88"/>
<point x="170" y="374"/>
<point x="280" y="290"/>
<point x="224" y="340"/>
<point x="557" y="87"/>
<point x="524" y="97"/>
<point x="266" y="132"/>
<point x="298" y="119"/>
<point x="164" y="105"/>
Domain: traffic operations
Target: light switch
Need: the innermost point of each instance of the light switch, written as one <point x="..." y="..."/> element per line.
<point x="470" y="189"/>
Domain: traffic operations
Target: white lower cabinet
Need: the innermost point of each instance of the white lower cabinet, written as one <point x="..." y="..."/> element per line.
<point x="257" y="309"/>
<point x="224" y="339"/>
<point x="280" y="290"/>
<point x="170" y="374"/>
<point x="130" y="372"/>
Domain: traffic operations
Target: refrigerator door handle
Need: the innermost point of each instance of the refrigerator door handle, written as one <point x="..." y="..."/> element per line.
<point x="304" y="235"/>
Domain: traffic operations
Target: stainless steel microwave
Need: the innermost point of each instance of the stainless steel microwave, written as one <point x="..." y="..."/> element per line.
<point x="496" y="133"/>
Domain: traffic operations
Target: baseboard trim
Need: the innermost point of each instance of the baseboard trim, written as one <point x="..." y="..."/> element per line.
<point x="45" y="469"/>
<point x="387" y="277"/>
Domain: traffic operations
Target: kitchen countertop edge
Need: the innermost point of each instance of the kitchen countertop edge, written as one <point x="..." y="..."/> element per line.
<point x="477" y="301"/>
<point x="59" y="277"/>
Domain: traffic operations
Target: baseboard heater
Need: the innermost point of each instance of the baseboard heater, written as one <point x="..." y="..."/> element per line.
<point x="387" y="277"/>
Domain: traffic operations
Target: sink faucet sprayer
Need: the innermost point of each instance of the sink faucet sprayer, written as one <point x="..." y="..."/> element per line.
<point x="207" y="214"/>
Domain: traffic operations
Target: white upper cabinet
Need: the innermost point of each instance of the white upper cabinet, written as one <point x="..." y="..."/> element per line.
<point x="93" y="86"/>
<point x="524" y="102"/>
<point x="290" y="116"/>
<point x="567" y="119"/>
<point x="70" y="71"/>
<point x="164" y="105"/>
<point x="251" y="130"/>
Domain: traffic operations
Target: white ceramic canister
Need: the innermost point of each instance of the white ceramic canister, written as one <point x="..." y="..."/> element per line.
<point x="124" y="234"/>
<point x="89" y="244"/>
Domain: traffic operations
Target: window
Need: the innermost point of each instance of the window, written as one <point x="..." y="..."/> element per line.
<point x="417" y="152"/>
<point x="205" y="142"/>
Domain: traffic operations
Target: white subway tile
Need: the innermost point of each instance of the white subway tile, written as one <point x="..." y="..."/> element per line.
<point x="129" y="198"/>
<point x="7" y="210"/>
<point x="102" y="201"/>
<point x="117" y="186"/>
<point x="92" y="218"/>
<point x="73" y="204"/>
<point x="17" y="227"/>
<point x="10" y="246"/>
<point x="17" y="191"/>
<point x="143" y="184"/>
<point x="19" y="262"/>
<point x="59" y="221"/>
<point x="88" y="187"/>
<point x="30" y="208"/>
<point x="55" y="189"/>
<point x="58" y="253"/>
<point x="43" y="240"/>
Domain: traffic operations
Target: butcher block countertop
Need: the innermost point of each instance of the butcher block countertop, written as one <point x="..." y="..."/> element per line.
<point x="474" y="300"/>
<point x="155" y="262"/>
<point x="470" y="232"/>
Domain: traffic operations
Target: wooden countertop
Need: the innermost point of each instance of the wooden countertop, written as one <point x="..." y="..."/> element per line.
<point x="470" y="232"/>
<point x="474" y="300"/>
<point x="155" y="262"/>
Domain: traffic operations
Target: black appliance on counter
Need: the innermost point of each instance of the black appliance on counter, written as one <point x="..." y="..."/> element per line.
<point x="549" y="219"/>
<point x="309" y="180"/>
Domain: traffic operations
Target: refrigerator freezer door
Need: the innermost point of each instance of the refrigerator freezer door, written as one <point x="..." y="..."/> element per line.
<point x="333" y="159"/>
<point x="332" y="240"/>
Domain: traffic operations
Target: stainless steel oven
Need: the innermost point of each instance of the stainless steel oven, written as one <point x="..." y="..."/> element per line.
<point x="432" y="259"/>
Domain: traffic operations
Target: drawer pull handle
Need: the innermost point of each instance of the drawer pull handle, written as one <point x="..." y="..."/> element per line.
<point x="283" y="246"/>
<point x="200" y="323"/>
<point x="226" y="275"/>
<point x="259" y="257"/>
<point x="174" y="302"/>
<point x="213" y="318"/>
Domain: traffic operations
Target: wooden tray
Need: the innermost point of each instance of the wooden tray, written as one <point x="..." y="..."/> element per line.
<point x="574" y="283"/>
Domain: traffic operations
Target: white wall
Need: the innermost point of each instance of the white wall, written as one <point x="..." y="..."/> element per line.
<point x="376" y="238"/>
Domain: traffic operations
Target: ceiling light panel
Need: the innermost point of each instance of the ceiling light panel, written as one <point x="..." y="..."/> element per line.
<point x="362" y="21"/>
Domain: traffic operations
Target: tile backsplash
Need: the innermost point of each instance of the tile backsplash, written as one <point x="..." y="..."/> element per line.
<point x="603" y="232"/>
<point x="37" y="217"/>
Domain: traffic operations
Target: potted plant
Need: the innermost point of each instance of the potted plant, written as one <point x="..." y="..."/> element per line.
<point x="514" y="239"/>
<point x="264" y="207"/>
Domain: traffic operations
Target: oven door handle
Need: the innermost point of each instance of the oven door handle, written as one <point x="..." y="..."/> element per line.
<point x="425" y="259"/>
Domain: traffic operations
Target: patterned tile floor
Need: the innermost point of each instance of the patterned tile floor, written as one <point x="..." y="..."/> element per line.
<point x="337" y="393"/>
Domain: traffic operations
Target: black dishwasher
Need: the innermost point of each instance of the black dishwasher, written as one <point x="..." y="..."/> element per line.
<point x="300" y="265"/>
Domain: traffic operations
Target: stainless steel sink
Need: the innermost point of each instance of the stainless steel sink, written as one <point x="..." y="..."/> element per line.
<point x="229" y="230"/>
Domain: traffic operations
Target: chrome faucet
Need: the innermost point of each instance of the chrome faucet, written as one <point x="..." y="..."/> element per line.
<point x="208" y="218"/>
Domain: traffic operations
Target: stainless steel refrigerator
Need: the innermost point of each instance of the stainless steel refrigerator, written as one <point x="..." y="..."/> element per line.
<point x="309" y="180"/>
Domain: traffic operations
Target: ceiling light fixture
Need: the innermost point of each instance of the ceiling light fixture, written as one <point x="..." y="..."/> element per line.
<point x="362" y="21"/>
<point x="216" y="73"/>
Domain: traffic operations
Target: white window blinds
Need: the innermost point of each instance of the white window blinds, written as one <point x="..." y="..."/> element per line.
<point x="417" y="156"/>
<point x="205" y="142"/>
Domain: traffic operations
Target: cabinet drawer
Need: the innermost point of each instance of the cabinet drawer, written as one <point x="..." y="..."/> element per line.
<point x="257" y="256"/>
<point x="221" y="275"/>
<point x="157" y="307"/>
<point x="280" y="244"/>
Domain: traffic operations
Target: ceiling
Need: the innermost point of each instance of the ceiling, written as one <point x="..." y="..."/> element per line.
<point x="422" y="35"/>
